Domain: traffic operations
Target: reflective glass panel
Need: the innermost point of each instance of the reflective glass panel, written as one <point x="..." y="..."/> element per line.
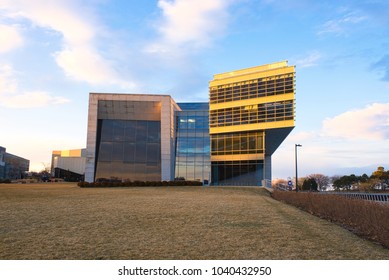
<point x="192" y="142"/>
<point x="128" y="150"/>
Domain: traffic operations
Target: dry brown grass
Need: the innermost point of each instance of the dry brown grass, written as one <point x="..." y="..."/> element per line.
<point x="63" y="221"/>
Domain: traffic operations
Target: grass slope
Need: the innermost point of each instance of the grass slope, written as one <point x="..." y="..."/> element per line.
<point x="63" y="221"/>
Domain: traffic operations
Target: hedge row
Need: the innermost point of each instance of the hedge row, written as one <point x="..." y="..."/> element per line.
<point x="366" y="218"/>
<point x="138" y="184"/>
<point x="5" y="181"/>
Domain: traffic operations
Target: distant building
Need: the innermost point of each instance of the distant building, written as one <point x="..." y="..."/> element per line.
<point x="68" y="164"/>
<point x="2" y="163"/>
<point x="12" y="167"/>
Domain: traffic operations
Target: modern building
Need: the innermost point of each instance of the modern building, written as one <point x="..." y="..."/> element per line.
<point x="12" y="167"/>
<point x="229" y="140"/>
<point x="251" y="113"/>
<point x="68" y="164"/>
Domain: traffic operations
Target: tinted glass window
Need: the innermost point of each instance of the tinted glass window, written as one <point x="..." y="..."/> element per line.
<point x="106" y="130"/>
<point x="128" y="150"/>
<point x="105" y="153"/>
<point x="130" y="131"/>
<point x="192" y="143"/>
<point x="141" y="131"/>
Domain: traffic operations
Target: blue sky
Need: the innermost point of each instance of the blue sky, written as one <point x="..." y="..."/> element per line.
<point x="53" y="53"/>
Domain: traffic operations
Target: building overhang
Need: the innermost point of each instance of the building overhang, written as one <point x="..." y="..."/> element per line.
<point x="274" y="138"/>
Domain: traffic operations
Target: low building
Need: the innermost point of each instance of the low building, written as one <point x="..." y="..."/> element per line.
<point x="68" y="164"/>
<point x="12" y="167"/>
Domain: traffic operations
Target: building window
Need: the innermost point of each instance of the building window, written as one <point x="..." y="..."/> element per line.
<point x="273" y="85"/>
<point x="192" y="144"/>
<point x="249" y="114"/>
<point x="128" y="150"/>
<point x="237" y="143"/>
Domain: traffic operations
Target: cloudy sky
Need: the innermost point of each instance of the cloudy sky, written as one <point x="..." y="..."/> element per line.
<point x="54" y="52"/>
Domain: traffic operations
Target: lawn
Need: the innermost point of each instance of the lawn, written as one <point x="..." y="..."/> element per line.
<point x="63" y="221"/>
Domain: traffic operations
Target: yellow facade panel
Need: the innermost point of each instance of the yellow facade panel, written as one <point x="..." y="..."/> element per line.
<point x="75" y="153"/>
<point x="65" y="153"/>
<point x="246" y="71"/>
<point x="251" y="127"/>
<point x="238" y="157"/>
<point x="68" y="153"/>
<point x="244" y="77"/>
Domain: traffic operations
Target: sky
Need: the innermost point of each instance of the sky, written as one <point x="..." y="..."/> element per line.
<point x="54" y="52"/>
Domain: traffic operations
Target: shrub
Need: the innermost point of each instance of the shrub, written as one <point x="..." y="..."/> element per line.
<point x="139" y="183"/>
<point x="5" y="181"/>
<point x="310" y="184"/>
<point x="83" y="184"/>
<point x="111" y="184"/>
<point x="369" y="219"/>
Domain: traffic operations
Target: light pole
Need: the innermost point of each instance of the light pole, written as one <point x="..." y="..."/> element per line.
<point x="295" y="157"/>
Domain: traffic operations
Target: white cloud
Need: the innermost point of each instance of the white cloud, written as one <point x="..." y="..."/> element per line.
<point x="85" y="64"/>
<point x="302" y="136"/>
<point x="12" y="98"/>
<point x="79" y="37"/>
<point x="370" y="123"/>
<point x="189" y="23"/>
<point x="309" y="61"/>
<point x="32" y="99"/>
<point x="341" y="25"/>
<point x="352" y="142"/>
<point x="328" y="155"/>
<point x="9" y="38"/>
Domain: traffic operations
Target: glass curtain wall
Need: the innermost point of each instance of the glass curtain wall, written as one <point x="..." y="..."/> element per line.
<point x="192" y="143"/>
<point x="128" y="150"/>
<point x="238" y="173"/>
<point x="15" y="167"/>
<point x="237" y="143"/>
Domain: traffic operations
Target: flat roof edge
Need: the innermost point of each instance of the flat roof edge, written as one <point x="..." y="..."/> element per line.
<point x="254" y="69"/>
<point x="133" y="94"/>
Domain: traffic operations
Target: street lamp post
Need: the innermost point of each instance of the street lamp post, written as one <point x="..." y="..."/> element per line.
<point x="295" y="157"/>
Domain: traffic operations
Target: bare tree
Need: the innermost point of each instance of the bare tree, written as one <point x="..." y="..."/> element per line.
<point x="321" y="180"/>
<point x="46" y="166"/>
